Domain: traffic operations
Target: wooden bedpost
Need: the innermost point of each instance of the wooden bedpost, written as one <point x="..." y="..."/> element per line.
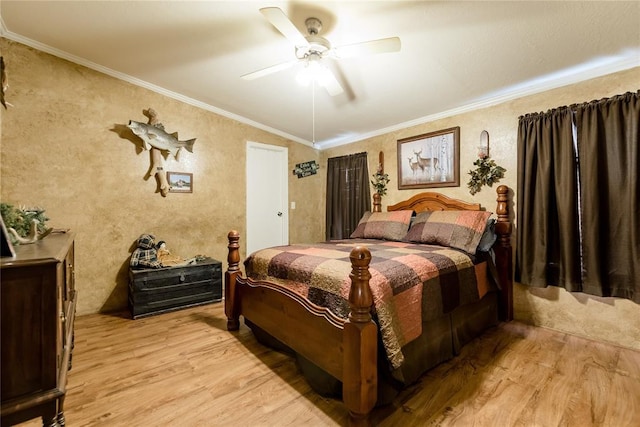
<point x="377" y="203"/>
<point x="360" y="343"/>
<point x="504" y="255"/>
<point x="230" y="302"/>
<point x="377" y="199"/>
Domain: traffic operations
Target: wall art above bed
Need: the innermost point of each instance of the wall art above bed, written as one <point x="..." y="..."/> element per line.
<point x="430" y="160"/>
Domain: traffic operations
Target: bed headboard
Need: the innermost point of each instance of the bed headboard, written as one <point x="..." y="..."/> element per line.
<point x="429" y="201"/>
<point x="502" y="248"/>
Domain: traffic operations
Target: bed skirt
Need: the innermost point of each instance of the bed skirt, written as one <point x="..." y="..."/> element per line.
<point x="441" y="340"/>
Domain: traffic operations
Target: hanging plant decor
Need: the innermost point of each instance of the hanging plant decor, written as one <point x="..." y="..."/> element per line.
<point x="485" y="173"/>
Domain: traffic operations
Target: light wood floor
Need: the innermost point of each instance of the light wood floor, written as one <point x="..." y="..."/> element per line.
<point x="185" y="369"/>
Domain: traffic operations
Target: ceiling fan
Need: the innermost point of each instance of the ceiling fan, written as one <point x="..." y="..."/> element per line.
<point x="313" y="48"/>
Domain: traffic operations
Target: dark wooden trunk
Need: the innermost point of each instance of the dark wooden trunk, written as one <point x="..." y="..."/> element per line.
<point x="155" y="291"/>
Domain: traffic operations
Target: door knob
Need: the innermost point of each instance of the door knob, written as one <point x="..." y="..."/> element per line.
<point x="279" y="213"/>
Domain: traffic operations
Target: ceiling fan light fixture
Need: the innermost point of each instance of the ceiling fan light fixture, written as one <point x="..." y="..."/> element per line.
<point x="313" y="70"/>
<point x="310" y="49"/>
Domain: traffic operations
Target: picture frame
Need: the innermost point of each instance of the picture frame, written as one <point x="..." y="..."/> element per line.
<point x="417" y="154"/>
<point x="180" y="182"/>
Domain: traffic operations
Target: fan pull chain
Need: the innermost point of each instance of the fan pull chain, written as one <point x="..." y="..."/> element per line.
<point x="313" y="112"/>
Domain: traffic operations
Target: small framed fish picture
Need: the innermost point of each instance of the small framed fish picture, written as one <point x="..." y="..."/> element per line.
<point x="180" y="182"/>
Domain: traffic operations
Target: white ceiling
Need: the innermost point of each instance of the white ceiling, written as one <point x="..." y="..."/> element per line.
<point x="455" y="56"/>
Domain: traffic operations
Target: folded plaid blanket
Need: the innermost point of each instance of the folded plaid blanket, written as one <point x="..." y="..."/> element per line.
<point x="410" y="282"/>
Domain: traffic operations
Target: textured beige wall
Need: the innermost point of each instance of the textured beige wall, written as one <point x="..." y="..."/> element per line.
<point x="606" y="319"/>
<point x="61" y="149"/>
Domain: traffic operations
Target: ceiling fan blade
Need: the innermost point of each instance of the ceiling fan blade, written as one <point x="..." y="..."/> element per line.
<point x="331" y="83"/>
<point x="348" y="96"/>
<point x="269" y="70"/>
<point x="279" y="20"/>
<point x="391" y="44"/>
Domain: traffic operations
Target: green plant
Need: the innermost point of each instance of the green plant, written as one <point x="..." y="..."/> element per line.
<point x="485" y="173"/>
<point x="379" y="182"/>
<point x="20" y="219"/>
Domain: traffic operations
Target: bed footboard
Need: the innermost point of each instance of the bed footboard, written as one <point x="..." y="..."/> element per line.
<point x="347" y="349"/>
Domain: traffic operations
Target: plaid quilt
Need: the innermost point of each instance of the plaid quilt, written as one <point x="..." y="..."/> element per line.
<point x="410" y="282"/>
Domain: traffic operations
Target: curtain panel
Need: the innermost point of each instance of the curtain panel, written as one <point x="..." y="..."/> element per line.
<point x="608" y="141"/>
<point x="578" y="192"/>
<point x="348" y="194"/>
<point x="548" y="236"/>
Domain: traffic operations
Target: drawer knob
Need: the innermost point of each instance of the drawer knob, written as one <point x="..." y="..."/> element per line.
<point x="182" y="277"/>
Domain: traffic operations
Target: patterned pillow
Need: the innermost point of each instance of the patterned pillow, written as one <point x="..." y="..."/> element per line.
<point x="383" y="225"/>
<point x="358" y="233"/>
<point x="456" y="229"/>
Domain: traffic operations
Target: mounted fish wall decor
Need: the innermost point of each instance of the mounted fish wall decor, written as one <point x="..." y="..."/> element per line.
<point x="157" y="140"/>
<point x="4" y="85"/>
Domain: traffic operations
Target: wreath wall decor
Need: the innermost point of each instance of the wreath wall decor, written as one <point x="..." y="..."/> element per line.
<point x="487" y="172"/>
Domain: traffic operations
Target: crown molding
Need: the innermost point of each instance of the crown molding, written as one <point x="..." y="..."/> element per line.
<point x="597" y="68"/>
<point x="135" y="81"/>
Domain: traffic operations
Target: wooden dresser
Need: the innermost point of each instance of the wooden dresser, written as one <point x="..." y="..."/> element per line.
<point x="38" y="303"/>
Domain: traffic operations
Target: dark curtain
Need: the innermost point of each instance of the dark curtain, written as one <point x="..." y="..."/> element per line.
<point x="578" y="192"/>
<point x="608" y="141"/>
<point x="348" y="194"/>
<point x="548" y="241"/>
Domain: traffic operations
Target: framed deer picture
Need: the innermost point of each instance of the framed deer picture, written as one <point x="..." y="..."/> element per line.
<point x="429" y="160"/>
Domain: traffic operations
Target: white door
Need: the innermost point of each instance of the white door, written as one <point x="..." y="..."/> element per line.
<point x="267" y="196"/>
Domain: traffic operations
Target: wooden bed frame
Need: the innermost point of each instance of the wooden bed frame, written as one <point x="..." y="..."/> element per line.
<point x="347" y="349"/>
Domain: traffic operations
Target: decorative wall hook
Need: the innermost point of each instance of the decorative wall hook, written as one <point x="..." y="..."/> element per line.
<point x="487" y="172"/>
<point x="483" y="148"/>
